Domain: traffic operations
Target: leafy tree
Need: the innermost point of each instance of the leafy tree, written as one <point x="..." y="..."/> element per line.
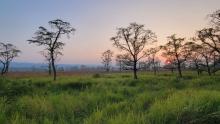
<point x="7" y="53"/>
<point x="132" y="40"/>
<point x="107" y="59"/>
<point x="51" y="39"/>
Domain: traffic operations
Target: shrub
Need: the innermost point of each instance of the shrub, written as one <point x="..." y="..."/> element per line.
<point x="96" y="75"/>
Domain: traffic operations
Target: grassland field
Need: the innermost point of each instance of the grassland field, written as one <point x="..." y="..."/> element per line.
<point x="110" y="98"/>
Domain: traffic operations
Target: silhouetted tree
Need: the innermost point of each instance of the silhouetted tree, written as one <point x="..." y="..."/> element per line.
<point x="107" y="59"/>
<point x="152" y="60"/>
<point x="194" y="54"/>
<point x="119" y="61"/>
<point x="7" y="53"/>
<point x="169" y="64"/>
<point x="209" y="40"/>
<point x="47" y="57"/>
<point x="204" y="57"/>
<point x="210" y="37"/>
<point x="143" y="65"/>
<point x="50" y="39"/>
<point x="126" y="61"/>
<point x="175" y="49"/>
<point x="216" y="61"/>
<point x="133" y="40"/>
<point x="207" y="55"/>
<point x="154" y="64"/>
<point x="215" y="18"/>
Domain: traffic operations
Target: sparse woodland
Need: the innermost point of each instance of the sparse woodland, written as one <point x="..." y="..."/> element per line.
<point x="177" y="82"/>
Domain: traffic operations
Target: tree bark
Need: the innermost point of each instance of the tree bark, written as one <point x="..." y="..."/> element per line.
<point x="120" y="66"/>
<point x="3" y="69"/>
<point x="214" y="65"/>
<point x="208" y="68"/>
<point x="172" y="70"/>
<point x="49" y="68"/>
<point x="135" y="69"/>
<point x="179" y="68"/>
<point x="53" y="66"/>
<point x="197" y="69"/>
<point x="7" y="66"/>
<point x="155" y="71"/>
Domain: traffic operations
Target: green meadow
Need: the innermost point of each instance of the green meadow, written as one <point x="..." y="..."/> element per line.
<point x="111" y="98"/>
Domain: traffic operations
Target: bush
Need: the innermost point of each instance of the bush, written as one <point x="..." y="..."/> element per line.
<point x="13" y="89"/>
<point x="96" y="75"/>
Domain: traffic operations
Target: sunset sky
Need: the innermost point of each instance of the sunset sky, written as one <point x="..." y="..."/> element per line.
<point x="96" y="21"/>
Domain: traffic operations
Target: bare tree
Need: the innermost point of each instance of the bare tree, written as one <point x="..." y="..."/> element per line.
<point x="216" y="58"/>
<point x="204" y="57"/>
<point x="210" y="37"/>
<point x="215" y="18"/>
<point x="126" y="61"/>
<point x="170" y="64"/>
<point x="133" y="40"/>
<point x="153" y="63"/>
<point x="51" y="39"/>
<point x="119" y="61"/>
<point x="175" y="49"/>
<point x="152" y="59"/>
<point x="143" y="65"/>
<point x="7" y="53"/>
<point x="107" y="59"/>
<point x="207" y="55"/>
<point x="194" y="54"/>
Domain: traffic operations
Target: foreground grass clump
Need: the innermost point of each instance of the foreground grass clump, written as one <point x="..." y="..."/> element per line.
<point x="187" y="107"/>
<point x="111" y="99"/>
<point x="56" y="107"/>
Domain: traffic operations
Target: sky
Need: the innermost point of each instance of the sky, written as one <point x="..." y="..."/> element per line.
<point x="96" y="22"/>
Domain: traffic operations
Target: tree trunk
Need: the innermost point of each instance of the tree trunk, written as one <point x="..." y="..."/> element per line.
<point x="49" y="68"/>
<point x="209" y="72"/>
<point x="3" y="69"/>
<point x="208" y="68"/>
<point x="120" y="66"/>
<point x="6" y="67"/>
<point x="214" y="65"/>
<point x="172" y="70"/>
<point x="155" y="71"/>
<point x="197" y="68"/>
<point x="135" y="69"/>
<point x="52" y="55"/>
<point x="107" y="69"/>
<point x="54" y="68"/>
<point x="179" y="68"/>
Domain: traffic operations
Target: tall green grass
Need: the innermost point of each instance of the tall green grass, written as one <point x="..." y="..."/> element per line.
<point x="111" y="99"/>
